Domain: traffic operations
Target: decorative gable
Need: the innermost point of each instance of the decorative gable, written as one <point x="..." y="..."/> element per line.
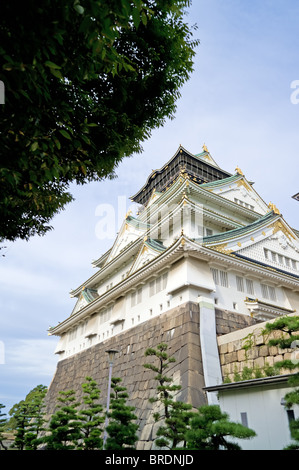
<point x="130" y="231"/>
<point x="269" y="241"/>
<point x="279" y="249"/>
<point x="237" y="189"/>
<point x="86" y="296"/>
<point x="150" y="250"/>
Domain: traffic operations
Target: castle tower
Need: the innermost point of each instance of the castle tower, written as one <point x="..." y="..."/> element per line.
<point x="205" y="255"/>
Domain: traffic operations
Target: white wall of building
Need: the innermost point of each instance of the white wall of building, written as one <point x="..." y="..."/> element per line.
<point x="264" y="412"/>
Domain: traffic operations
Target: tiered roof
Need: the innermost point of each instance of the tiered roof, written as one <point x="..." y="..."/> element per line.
<point x="183" y="181"/>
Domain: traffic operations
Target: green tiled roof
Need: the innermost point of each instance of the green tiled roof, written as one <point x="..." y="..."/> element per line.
<point x="137" y="223"/>
<point x="155" y="244"/>
<point x="212" y="184"/>
<point x="240" y="231"/>
<point x="89" y="294"/>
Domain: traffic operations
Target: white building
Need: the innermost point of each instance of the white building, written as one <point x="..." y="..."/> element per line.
<point x="259" y="405"/>
<point x="201" y="235"/>
<point x="200" y="232"/>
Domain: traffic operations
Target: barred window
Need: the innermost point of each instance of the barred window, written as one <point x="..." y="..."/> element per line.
<point x="220" y="277"/>
<point x="240" y="284"/>
<point x="158" y="284"/>
<point x="268" y="292"/>
<point x="249" y="286"/>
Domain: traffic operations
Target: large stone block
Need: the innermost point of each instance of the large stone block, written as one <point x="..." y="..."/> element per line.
<point x="179" y="328"/>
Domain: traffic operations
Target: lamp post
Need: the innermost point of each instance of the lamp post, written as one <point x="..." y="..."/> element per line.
<point x="111" y="353"/>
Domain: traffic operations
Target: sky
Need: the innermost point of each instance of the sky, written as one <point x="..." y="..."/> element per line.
<point x="241" y="101"/>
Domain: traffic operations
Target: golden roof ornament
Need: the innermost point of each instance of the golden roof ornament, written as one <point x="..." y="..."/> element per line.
<point x="239" y="171"/>
<point x="205" y="148"/>
<point x="273" y="208"/>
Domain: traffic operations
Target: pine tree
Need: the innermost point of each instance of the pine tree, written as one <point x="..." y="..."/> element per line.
<point x="64" y="427"/>
<point x="91" y="416"/>
<point x="289" y="339"/>
<point x="3" y="422"/>
<point x="121" y="429"/>
<point x="176" y="414"/>
<point x="28" y="419"/>
<point x="210" y="427"/>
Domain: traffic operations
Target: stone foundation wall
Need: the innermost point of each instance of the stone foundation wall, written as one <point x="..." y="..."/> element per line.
<point x="227" y="321"/>
<point x="247" y="352"/>
<point x="179" y="328"/>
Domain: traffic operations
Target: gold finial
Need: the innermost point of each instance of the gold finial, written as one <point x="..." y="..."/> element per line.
<point x="273" y="208"/>
<point x="238" y="170"/>
<point x="205" y="148"/>
<point x="128" y="213"/>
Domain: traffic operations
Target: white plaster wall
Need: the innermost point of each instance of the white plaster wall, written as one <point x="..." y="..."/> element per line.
<point x="266" y="416"/>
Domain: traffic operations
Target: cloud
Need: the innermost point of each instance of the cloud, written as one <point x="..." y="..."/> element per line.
<point x="30" y="357"/>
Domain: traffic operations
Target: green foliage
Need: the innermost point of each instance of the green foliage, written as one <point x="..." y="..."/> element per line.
<point x="28" y="419"/>
<point x="3" y="422"/>
<point x="64" y="431"/>
<point x="209" y="430"/>
<point x="173" y="433"/>
<point x="86" y="82"/>
<point x="164" y="389"/>
<point x="121" y="428"/>
<point x="176" y="414"/>
<point x="288" y="326"/>
<point x="91" y="416"/>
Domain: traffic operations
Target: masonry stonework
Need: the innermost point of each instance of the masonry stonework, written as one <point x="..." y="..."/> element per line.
<point x="246" y="351"/>
<point x="179" y="328"/>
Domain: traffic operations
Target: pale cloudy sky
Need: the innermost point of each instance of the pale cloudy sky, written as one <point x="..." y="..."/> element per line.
<point x="237" y="102"/>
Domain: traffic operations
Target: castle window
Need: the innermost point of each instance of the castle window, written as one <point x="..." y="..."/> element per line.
<point x="158" y="284"/>
<point x="249" y="286"/>
<point x="280" y="259"/>
<point x="136" y="297"/>
<point x="294" y="264"/>
<point x="244" y="419"/>
<point x="240" y="284"/>
<point x="220" y="277"/>
<point x="245" y="285"/>
<point x="268" y="292"/>
<point x="223" y="279"/>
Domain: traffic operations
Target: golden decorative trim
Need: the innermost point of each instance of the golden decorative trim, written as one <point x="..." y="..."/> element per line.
<point x="279" y="226"/>
<point x="244" y="183"/>
<point x="238" y="170"/>
<point x="222" y="249"/>
<point x="273" y="208"/>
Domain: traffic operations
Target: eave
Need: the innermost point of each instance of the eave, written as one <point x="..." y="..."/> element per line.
<point x="96" y="278"/>
<point x="156" y="173"/>
<point x="158" y="264"/>
<point x="264" y="381"/>
<point x="180" y="248"/>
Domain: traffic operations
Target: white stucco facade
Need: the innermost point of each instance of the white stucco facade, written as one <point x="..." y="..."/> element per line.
<point x="258" y="404"/>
